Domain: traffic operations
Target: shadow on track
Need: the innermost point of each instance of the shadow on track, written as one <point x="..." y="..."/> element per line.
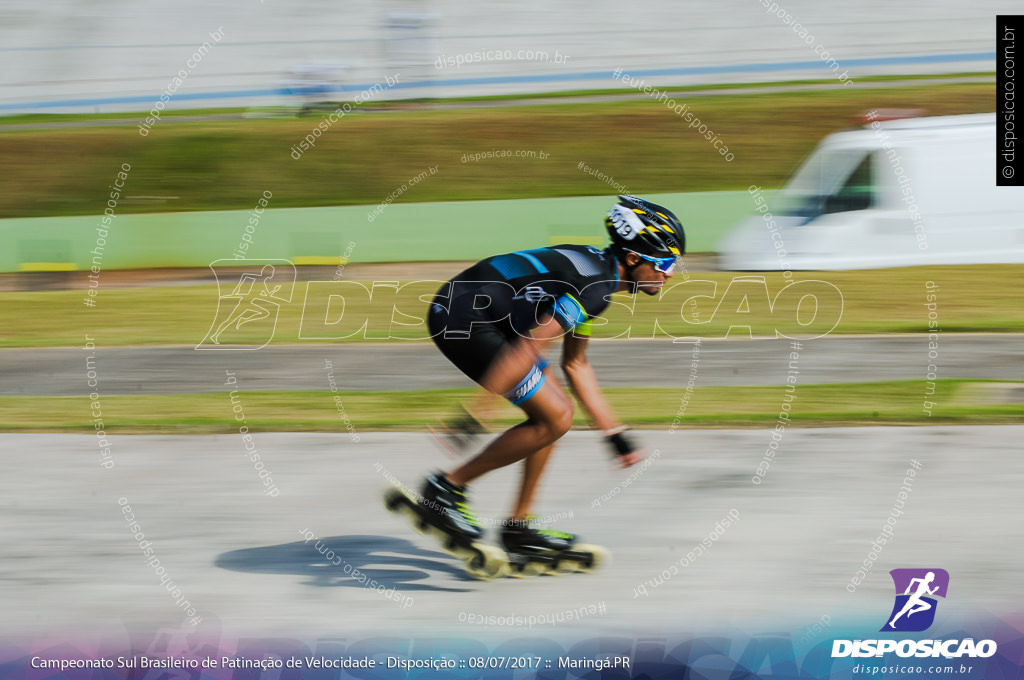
<point x="395" y="562"/>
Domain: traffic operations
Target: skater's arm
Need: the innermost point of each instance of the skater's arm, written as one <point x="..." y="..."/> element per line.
<point x="583" y="383"/>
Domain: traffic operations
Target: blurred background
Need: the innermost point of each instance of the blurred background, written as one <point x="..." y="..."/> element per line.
<point x="148" y="146"/>
<point x="102" y="57"/>
<point x="212" y="106"/>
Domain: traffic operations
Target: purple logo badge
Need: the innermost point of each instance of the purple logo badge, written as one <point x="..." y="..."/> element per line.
<point x="915" y="605"/>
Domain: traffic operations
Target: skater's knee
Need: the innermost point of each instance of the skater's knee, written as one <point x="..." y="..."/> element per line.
<point x="559" y="423"/>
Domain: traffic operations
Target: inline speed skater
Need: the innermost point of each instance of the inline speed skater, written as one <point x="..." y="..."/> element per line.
<point x="496" y="320"/>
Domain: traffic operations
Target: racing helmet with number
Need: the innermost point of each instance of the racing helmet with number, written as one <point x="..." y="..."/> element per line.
<point x="644" y="227"/>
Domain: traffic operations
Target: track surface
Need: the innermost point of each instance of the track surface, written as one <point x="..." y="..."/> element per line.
<point x="70" y="562"/>
<point x="397" y="366"/>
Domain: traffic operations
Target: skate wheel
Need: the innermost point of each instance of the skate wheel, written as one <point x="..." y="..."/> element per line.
<point x="527" y="570"/>
<point x="563" y="567"/>
<point x="594" y="557"/>
<point x="393" y="499"/>
<point x="485" y="562"/>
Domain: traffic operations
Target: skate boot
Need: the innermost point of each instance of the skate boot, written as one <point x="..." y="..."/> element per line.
<point x="443" y="513"/>
<point x="533" y="550"/>
<point x="445" y="506"/>
<point x="526" y="536"/>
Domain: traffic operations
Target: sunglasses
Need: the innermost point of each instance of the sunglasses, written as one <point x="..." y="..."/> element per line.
<point x="665" y="265"/>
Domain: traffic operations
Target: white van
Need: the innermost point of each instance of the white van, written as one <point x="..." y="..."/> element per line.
<point x="895" y="193"/>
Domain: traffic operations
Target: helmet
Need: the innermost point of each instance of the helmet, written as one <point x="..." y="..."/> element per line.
<point x="644" y="227"/>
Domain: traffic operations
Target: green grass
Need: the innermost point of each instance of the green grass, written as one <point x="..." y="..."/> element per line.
<point x="221" y="164"/>
<point x="846" y="404"/>
<point x="981" y="298"/>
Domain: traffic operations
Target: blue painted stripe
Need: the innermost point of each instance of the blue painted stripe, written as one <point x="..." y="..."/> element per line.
<point x="525" y="79"/>
<point x="541" y="269"/>
<point x="802" y="65"/>
<point x="144" y="99"/>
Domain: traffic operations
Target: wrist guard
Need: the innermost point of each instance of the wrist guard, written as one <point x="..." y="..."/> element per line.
<point x="619" y="443"/>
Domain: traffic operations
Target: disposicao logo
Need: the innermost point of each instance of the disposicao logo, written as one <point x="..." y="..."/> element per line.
<point x="914" y="611"/>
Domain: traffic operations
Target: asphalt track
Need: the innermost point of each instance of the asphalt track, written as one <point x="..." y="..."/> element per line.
<point x="70" y="562"/>
<point x="401" y="366"/>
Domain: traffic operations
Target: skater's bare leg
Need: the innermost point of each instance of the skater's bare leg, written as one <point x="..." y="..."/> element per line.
<point x="550" y="413"/>
<point x="533" y="468"/>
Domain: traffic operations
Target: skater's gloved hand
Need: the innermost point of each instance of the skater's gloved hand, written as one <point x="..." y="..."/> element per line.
<point x="623" y="447"/>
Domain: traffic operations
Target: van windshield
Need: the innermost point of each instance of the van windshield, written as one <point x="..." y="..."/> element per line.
<point x="831" y="181"/>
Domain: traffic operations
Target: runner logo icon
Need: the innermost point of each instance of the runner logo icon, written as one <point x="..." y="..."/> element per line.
<point x="258" y="289"/>
<point x="914" y="609"/>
